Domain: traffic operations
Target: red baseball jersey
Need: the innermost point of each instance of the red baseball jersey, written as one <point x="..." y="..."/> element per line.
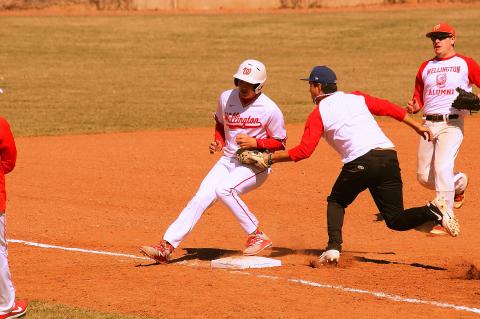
<point x="8" y="158"/>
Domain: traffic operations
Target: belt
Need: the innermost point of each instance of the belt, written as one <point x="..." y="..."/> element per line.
<point x="440" y="117"/>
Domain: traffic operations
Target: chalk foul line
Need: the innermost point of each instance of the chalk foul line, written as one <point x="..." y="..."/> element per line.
<point x="376" y="294"/>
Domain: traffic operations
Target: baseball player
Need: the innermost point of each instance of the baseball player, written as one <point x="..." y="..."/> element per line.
<point x="245" y="118"/>
<point x="346" y="122"/>
<point x="434" y="92"/>
<point x="9" y="307"/>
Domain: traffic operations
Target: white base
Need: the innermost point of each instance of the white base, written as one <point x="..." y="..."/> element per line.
<point x="243" y="262"/>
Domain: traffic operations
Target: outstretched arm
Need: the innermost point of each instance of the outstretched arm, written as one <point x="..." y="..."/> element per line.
<point x="422" y="130"/>
<point x="311" y="136"/>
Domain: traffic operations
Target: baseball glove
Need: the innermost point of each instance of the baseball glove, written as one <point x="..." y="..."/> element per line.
<point x="466" y="101"/>
<point x="251" y="157"/>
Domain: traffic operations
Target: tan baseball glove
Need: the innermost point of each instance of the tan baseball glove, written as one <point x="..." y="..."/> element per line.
<point x="252" y="157"/>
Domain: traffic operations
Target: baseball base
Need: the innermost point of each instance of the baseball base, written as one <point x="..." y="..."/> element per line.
<point x="244" y="262"/>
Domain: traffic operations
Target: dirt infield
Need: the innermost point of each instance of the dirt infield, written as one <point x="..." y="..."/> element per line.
<point x="114" y="192"/>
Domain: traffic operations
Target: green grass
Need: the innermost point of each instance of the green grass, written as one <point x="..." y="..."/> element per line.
<point x="65" y="75"/>
<point x="42" y="310"/>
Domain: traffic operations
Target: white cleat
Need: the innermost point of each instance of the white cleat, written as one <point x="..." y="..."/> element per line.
<point x="331" y="256"/>
<point x="439" y="207"/>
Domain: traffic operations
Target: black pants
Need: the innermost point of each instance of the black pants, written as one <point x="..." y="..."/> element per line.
<point x="379" y="171"/>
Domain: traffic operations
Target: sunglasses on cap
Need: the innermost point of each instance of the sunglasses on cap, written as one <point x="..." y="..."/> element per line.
<point x="440" y="37"/>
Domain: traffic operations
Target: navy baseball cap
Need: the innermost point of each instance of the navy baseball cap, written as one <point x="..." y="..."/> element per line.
<point x="322" y="74"/>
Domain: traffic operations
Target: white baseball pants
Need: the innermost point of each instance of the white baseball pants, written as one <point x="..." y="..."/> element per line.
<point x="226" y="181"/>
<point x="436" y="159"/>
<point x="7" y="291"/>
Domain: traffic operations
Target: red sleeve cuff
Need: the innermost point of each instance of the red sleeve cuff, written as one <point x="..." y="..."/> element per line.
<point x="270" y="144"/>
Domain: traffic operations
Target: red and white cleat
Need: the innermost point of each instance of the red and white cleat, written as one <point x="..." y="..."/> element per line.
<point x="159" y="253"/>
<point x="458" y="200"/>
<point x="18" y="310"/>
<point x="256" y="243"/>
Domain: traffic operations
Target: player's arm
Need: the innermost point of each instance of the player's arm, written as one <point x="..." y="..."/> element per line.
<point x="382" y="107"/>
<point x="416" y="103"/>
<point x="276" y="133"/>
<point x="421" y="130"/>
<point x="219" y="135"/>
<point x="8" y="150"/>
<point x="473" y="72"/>
<point x="269" y="143"/>
<point x="311" y="136"/>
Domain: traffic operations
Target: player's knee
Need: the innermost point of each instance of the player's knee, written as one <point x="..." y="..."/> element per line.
<point x="223" y="191"/>
<point x="395" y="224"/>
<point x="201" y="199"/>
<point x="396" y="221"/>
<point x="332" y="200"/>
<point x="423" y="180"/>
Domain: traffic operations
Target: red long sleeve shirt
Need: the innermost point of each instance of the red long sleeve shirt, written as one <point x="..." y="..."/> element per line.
<point x="8" y="158"/>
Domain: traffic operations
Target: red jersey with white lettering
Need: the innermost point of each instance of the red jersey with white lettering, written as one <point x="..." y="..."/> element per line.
<point x="8" y="158"/>
<point x="261" y="119"/>
<point x="437" y="79"/>
<point x="347" y="124"/>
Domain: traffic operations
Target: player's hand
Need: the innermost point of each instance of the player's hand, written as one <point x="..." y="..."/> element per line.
<point x="215" y="146"/>
<point x="413" y="106"/>
<point x="425" y="133"/>
<point x="245" y="141"/>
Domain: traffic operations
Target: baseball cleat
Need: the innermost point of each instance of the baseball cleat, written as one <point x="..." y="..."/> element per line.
<point x="18" y="310"/>
<point x="160" y="253"/>
<point x="438" y="230"/>
<point x="256" y="243"/>
<point x="444" y="215"/>
<point x="331" y="256"/>
<point x="458" y="200"/>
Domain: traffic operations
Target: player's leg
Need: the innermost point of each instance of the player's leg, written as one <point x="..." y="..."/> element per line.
<point x="189" y="216"/>
<point x="241" y="180"/>
<point x="387" y="192"/>
<point x="425" y="160"/>
<point x="461" y="183"/>
<point x="7" y="291"/>
<point x="203" y="198"/>
<point x="352" y="180"/>
<point x="448" y="144"/>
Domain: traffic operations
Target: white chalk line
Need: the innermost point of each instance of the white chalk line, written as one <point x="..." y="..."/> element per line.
<point x="98" y="252"/>
<point x="377" y="294"/>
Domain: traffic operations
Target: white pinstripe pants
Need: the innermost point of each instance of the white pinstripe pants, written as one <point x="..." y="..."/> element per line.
<point x="226" y="181"/>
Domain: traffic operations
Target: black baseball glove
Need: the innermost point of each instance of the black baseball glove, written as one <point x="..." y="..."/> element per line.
<point x="466" y="101"/>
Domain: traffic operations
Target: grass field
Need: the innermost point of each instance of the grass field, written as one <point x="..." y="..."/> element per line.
<point x="65" y="75"/>
<point x="40" y="310"/>
<point x="71" y="75"/>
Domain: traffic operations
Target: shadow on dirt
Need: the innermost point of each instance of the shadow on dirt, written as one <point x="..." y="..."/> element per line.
<point x="215" y="253"/>
<point x="205" y="254"/>
<point x="282" y="251"/>
<point x="386" y="262"/>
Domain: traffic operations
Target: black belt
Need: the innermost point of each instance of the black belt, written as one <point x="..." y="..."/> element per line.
<point x="441" y="117"/>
